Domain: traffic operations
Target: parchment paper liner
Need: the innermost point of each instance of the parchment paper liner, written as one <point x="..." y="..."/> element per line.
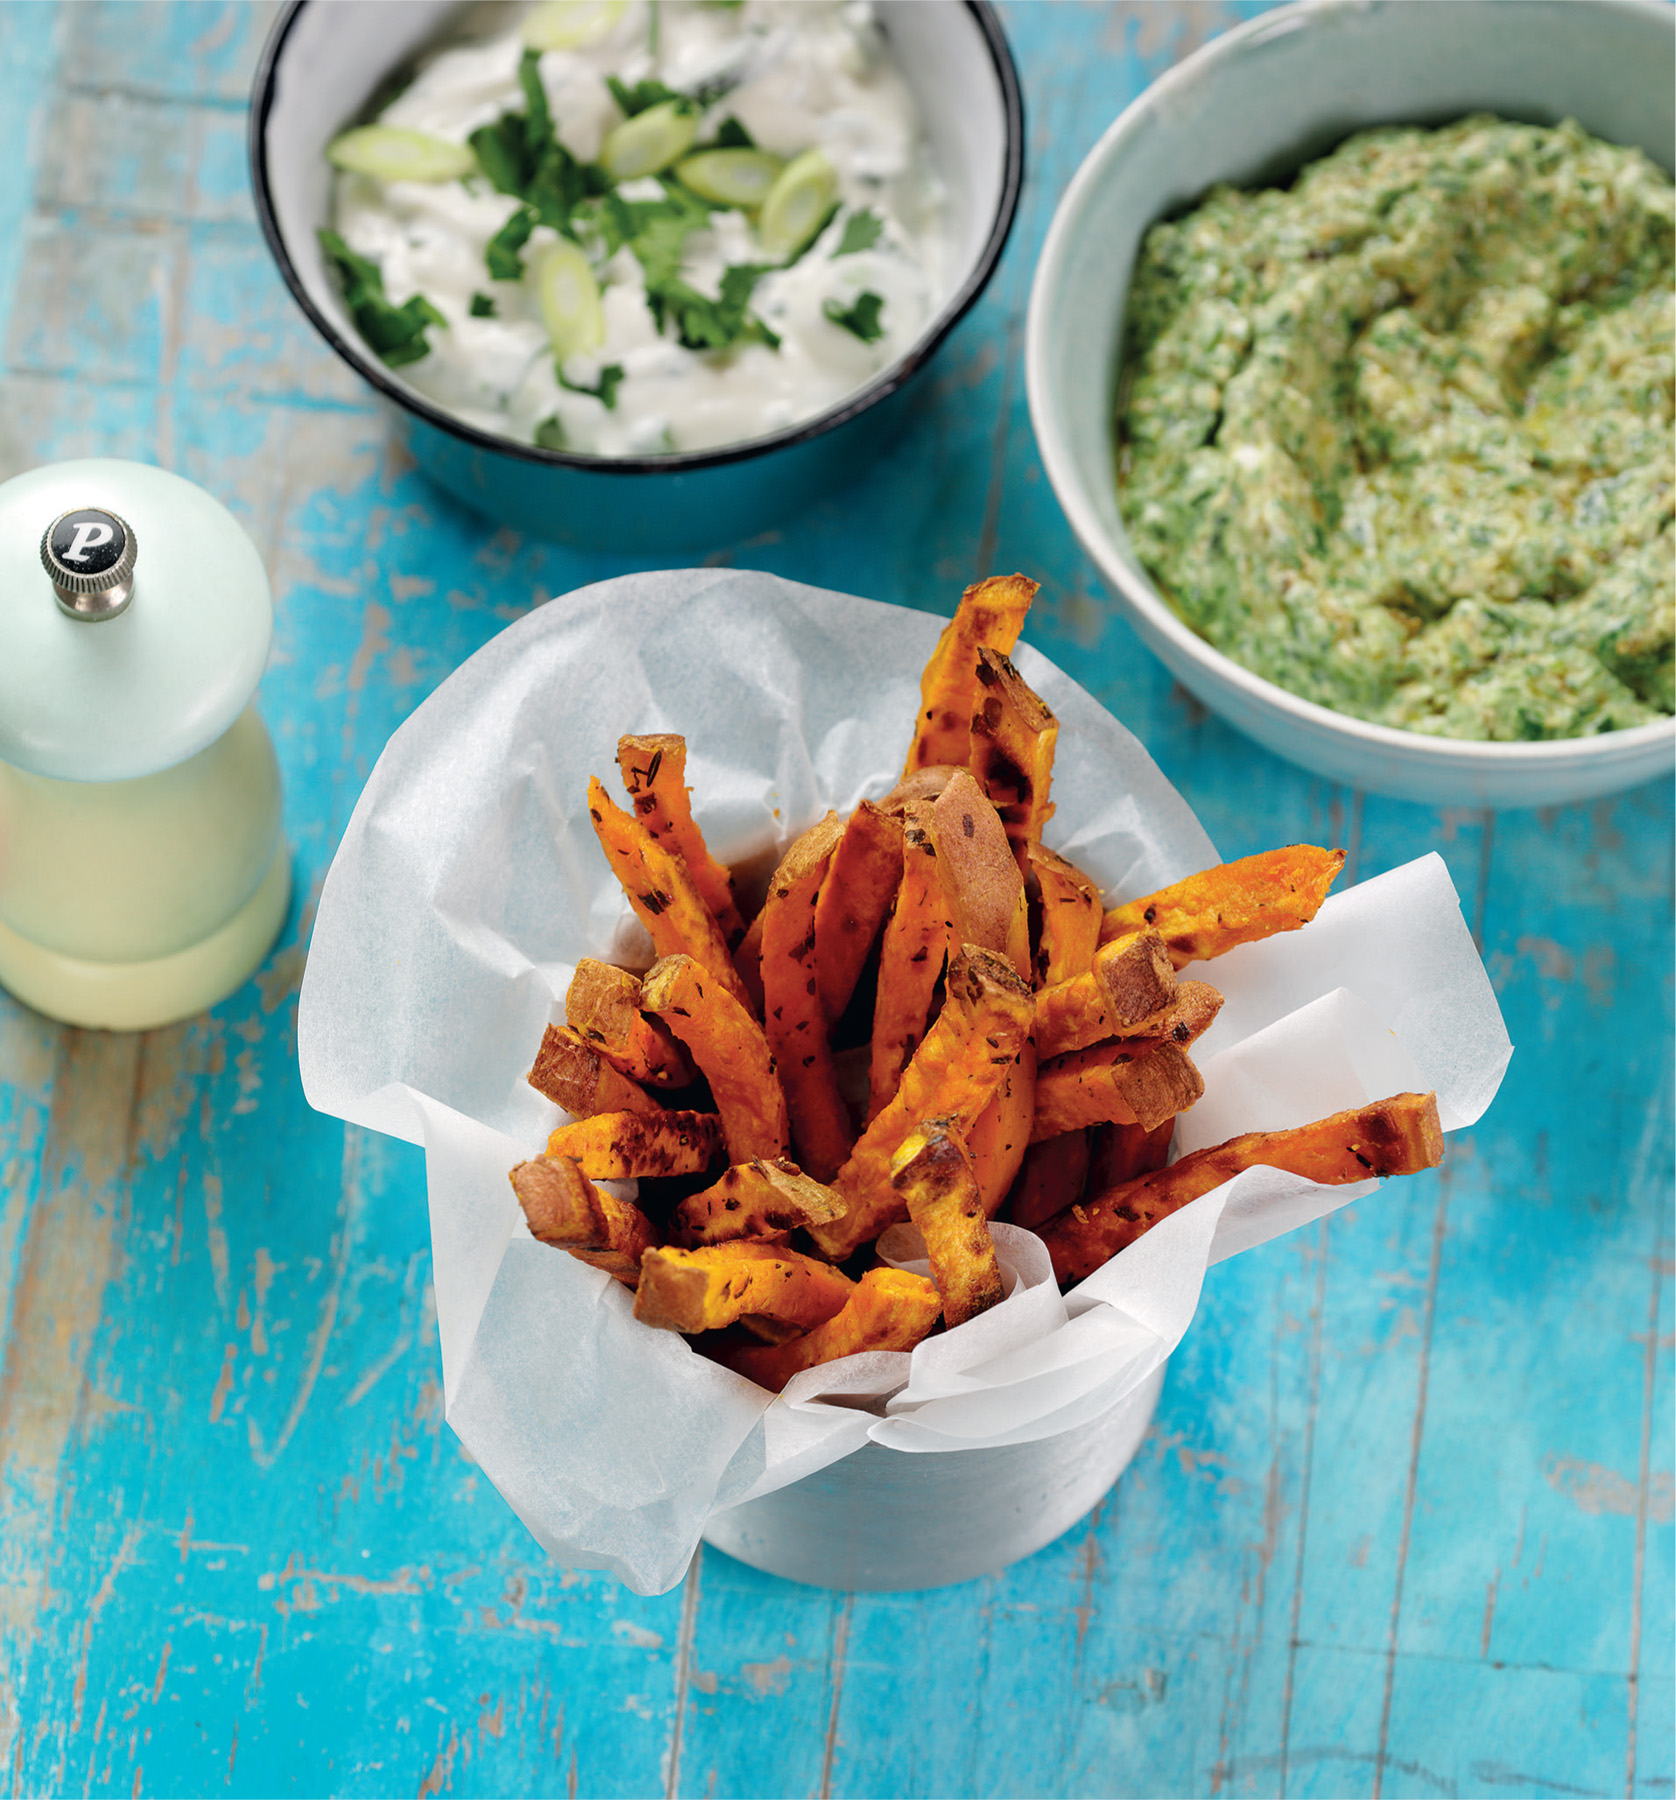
<point x="468" y="883"/>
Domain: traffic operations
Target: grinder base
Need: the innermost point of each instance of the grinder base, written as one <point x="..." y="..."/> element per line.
<point x="139" y="996"/>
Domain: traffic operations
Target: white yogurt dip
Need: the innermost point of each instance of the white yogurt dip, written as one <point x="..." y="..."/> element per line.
<point x="820" y="319"/>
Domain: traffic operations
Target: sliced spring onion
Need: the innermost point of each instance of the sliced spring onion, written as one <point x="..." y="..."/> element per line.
<point x="567" y="24"/>
<point x="731" y="177"/>
<point x="569" y="299"/>
<point x="650" y="141"/>
<point x="798" y="203"/>
<point x="394" y="153"/>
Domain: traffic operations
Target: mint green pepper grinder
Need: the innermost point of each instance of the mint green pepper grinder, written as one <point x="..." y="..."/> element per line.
<point x="143" y="869"/>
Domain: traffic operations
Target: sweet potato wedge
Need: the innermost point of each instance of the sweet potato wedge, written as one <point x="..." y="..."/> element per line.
<point x="704" y="1289"/>
<point x="761" y="1200"/>
<point x="1234" y="903"/>
<point x="662" y="892"/>
<point x="861" y="882"/>
<point x="747" y="963"/>
<point x="985" y="1020"/>
<point x="565" y="1209"/>
<point x="1000" y="1135"/>
<point x="1052" y="1175"/>
<point x="654" y="771"/>
<point x="1070" y="917"/>
<point x="731" y="1051"/>
<point x="991" y="612"/>
<point x="1143" y="1084"/>
<point x="917" y="939"/>
<point x="1013" y="739"/>
<point x="933" y="1172"/>
<point x="980" y="872"/>
<point x="1132" y="980"/>
<point x="621" y="1145"/>
<point x="602" y="1006"/>
<point x="791" y="1002"/>
<point x="1397" y="1136"/>
<point x="571" y="1071"/>
<point x="1119" y="1153"/>
<point x="889" y="1309"/>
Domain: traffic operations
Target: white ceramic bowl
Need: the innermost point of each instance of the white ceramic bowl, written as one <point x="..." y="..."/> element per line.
<point x="1252" y="107"/>
<point x="324" y="59"/>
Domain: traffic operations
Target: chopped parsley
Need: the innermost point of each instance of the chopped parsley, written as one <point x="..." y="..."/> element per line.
<point x="862" y="318"/>
<point x="642" y="96"/>
<point x="482" y="307"/>
<point x="610" y="379"/>
<point x="522" y="156"/>
<point x="549" y="434"/>
<point x="503" y="254"/>
<point x="395" y="333"/>
<point x="705" y="324"/>
<point x="861" y="232"/>
<point x="731" y="135"/>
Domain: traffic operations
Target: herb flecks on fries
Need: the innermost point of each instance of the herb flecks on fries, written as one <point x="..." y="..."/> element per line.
<point x="931" y="1017"/>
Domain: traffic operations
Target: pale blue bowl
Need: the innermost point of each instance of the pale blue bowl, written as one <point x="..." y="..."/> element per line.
<point x="1250" y="108"/>
<point x="325" y="57"/>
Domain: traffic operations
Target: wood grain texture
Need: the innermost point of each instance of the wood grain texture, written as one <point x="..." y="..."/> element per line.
<point x="1403" y="1524"/>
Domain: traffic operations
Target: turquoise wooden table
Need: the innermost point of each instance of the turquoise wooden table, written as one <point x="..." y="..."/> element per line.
<point x="1403" y="1522"/>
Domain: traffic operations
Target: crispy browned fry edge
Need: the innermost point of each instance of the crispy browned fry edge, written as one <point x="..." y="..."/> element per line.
<point x="602" y="1005"/>
<point x="654" y="770"/>
<point x="955" y="1072"/>
<point x="663" y="894"/>
<point x="1013" y="739"/>
<point x="1397" y="1136"/>
<point x="791" y="1003"/>
<point x="759" y="1200"/>
<point x="1234" y="903"/>
<point x="933" y="1173"/>
<point x="865" y="873"/>
<point x="990" y="612"/>
<point x="1000" y="1135"/>
<point x="889" y="1310"/>
<point x="565" y="1209"/>
<point x="1071" y="916"/>
<point x="730" y="1048"/>
<point x="1141" y="1083"/>
<point x="1051" y="1177"/>
<point x="1118" y="1153"/>
<point x="980" y="872"/>
<point x="704" y="1289"/>
<point x="569" y="1070"/>
<point x="917" y="939"/>
<point x="1132" y="979"/>
<point x="618" y="1146"/>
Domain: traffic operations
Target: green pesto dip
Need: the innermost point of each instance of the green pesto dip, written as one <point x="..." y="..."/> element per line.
<point x="1398" y="438"/>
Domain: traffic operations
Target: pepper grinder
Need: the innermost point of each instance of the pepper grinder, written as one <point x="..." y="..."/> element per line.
<point x="143" y="871"/>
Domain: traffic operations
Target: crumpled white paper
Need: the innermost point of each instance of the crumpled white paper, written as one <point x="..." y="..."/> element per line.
<point x="468" y="884"/>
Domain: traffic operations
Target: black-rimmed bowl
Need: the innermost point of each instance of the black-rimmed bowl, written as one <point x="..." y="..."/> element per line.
<point x="326" y="57"/>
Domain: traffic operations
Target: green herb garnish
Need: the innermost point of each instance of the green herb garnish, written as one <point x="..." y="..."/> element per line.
<point x="395" y="333"/>
<point x="705" y="324"/>
<point x="862" y="318"/>
<point x="550" y="434"/>
<point x="861" y="232"/>
<point x="503" y="254"/>
<point x="610" y="379"/>
<point x="522" y="156"/>
<point x="642" y="96"/>
<point x="482" y="307"/>
<point x="731" y="135"/>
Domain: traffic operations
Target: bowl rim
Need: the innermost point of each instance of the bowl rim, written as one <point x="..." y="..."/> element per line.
<point x="880" y="387"/>
<point x="1154" y="612"/>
